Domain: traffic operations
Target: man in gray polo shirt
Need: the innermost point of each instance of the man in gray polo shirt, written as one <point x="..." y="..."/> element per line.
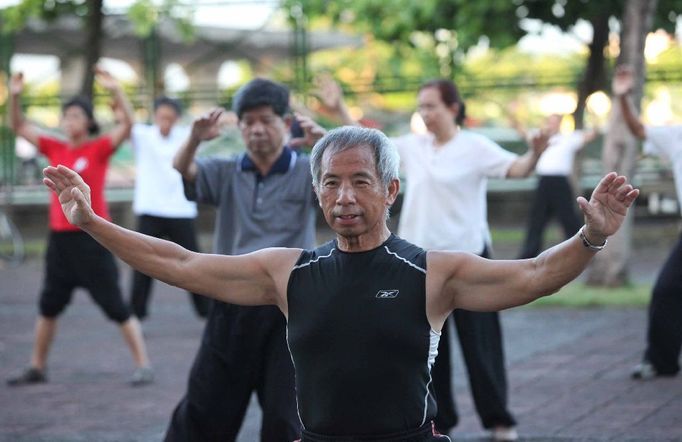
<point x="264" y="198"/>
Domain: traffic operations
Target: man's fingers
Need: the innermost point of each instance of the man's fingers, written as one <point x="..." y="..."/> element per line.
<point x="616" y="184"/>
<point x="78" y="196"/>
<point x="56" y="177"/>
<point x="583" y="203"/>
<point x="631" y="197"/>
<point x="605" y="182"/>
<point x="49" y="183"/>
<point x="623" y="191"/>
<point x="71" y="177"/>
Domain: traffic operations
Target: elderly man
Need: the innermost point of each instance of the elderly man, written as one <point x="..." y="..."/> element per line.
<point x="364" y="311"/>
<point x="263" y="199"/>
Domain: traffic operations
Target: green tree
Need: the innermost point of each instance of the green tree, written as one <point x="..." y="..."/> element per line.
<point x="451" y="27"/>
<point x="143" y="14"/>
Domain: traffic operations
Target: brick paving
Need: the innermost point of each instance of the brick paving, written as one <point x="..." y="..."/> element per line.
<point x="568" y="374"/>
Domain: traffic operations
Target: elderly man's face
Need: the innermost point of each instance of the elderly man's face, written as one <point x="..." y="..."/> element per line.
<point x="353" y="198"/>
<point x="263" y="131"/>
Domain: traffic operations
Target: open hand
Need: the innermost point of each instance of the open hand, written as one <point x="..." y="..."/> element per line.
<point x="105" y="79"/>
<point x="607" y="207"/>
<point x="329" y="92"/>
<point x="73" y="193"/>
<point x="16" y="84"/>
<point x="539" y="141"/>
<point x="312" y="132"/>
<point x="207" y="126"/>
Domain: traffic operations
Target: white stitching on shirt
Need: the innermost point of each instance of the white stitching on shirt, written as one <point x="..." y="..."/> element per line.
<point x="314" y="260"/>
<point x="404" y="260"/>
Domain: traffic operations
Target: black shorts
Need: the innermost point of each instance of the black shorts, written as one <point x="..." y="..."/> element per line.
<point x="75" y="259"/>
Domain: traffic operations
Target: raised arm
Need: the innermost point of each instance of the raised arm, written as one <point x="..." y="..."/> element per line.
<point x="515" y="123"/>
<point x="525" y="164"/>
<point x="312" y="132"/>
<point x="458" y="280"/>
<point x="330" y="94"/>
<point x="122" y="108"/>
<point x="20" y="125"/>
<point x="257" y="278"/>
<point x="204" y="128"/>
<point x="623" y="82"/>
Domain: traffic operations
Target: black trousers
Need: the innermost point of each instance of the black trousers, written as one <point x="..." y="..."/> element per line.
<point x="553" y="197"/>
<point x="480" y="338"/>
<point x="664" y="336"/>
<point x="422" y="434"/>
<point x="243" y="350"/>
<point x="179" y="230"/>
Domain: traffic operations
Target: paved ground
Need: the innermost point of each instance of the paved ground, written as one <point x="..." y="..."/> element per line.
<point x="568" y="371"/>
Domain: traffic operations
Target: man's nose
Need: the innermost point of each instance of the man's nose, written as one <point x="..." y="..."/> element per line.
<point x="345" y="195"/>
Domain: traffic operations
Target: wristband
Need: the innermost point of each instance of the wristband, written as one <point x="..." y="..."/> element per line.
<point x="587" y="243"/>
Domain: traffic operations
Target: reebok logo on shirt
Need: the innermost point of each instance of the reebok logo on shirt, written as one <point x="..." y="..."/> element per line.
<point x="387" y="294"/>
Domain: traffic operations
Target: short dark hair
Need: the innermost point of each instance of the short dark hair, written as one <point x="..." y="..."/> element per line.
<point x="86" y="105"/>
<point x="261" y="92"/>
<point x="170" y="102"/>
<point x="449" y="94"/>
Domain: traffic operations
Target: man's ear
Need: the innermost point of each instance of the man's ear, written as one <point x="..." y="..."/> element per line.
<point x="393" y="190"/>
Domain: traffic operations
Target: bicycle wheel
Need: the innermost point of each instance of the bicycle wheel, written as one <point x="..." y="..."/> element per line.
<point x="11" y="242"/>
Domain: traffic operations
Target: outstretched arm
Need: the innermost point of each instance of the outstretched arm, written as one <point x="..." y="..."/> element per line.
<point x="257" y="278"/>
<point x="122" y="107"/>
<point x="458" y="280"/>
<point x="20" y="126"/>
<point x="204" y="128"/>
<point x="525" y="164"/>
<point x="623" y="82"/>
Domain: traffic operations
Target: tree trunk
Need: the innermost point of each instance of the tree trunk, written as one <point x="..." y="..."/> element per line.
<point x="620" y="147"/>
<point x="594" y="79"/>
<point x="93" y="45"/>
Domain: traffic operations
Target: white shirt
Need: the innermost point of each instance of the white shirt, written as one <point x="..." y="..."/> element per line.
<point x="558" y="158"/>
<point x="158" y="187"/>
<point x="444" y="205"/>
<point x="666" y="141"/>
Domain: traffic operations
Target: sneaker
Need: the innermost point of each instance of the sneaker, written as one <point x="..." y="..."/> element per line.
<point x="644" y="371"/>
<point x="31" y="375"/>
<point x="142" y="376"/>
<point x="504" y="434"/>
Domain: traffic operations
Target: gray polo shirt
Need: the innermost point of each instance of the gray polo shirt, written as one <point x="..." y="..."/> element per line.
<point x="254" y="211"/>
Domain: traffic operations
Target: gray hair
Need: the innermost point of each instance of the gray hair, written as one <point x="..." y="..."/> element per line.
<point x="386" y="158"/>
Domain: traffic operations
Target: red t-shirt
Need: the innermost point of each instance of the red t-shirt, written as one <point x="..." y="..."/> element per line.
<point x="90" y="160"/>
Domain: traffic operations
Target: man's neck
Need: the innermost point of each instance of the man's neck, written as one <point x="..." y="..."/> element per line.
<point x="264" y="164"/>
<point x="362" y="243"/>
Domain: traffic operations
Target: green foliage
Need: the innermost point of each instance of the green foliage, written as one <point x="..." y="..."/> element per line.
<point x="15" y="17"/>
<point x="449" y="28"/>
<point x="145" y="15"/>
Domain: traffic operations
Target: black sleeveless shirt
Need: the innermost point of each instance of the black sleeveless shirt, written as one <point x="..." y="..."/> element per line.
<point x="360" y="341"/>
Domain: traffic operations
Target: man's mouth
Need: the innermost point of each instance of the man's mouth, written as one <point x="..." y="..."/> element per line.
<point x="346" y="217"/>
